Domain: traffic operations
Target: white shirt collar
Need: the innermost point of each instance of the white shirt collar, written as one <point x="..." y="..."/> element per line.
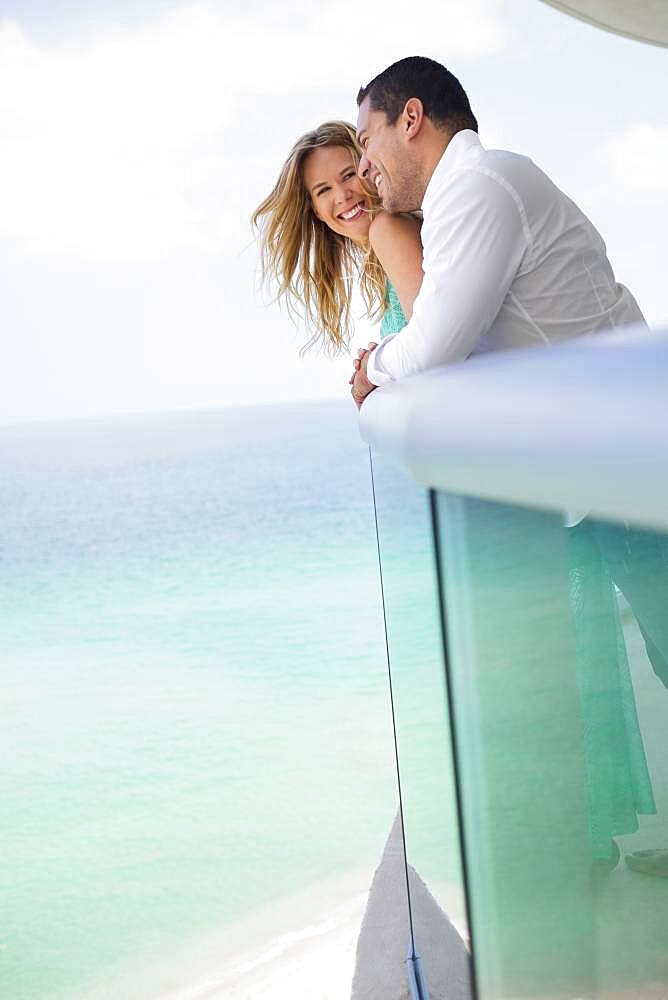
<point x="454" y="153"/>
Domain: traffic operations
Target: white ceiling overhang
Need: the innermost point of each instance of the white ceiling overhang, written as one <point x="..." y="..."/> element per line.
<point x="644" y="20"/>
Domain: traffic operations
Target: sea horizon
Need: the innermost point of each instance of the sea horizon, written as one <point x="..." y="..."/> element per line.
<point x="340" y="399"/>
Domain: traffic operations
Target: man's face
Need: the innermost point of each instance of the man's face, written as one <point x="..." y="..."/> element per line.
<point x="386" y="160"/>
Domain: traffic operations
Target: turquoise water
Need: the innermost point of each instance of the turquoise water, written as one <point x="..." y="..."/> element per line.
<point x="195" y="719"/>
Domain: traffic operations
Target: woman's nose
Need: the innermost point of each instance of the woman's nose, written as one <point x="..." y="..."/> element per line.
<point x="342" y="192"/>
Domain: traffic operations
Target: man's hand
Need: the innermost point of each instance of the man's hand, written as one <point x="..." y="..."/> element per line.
<point x="361" y="386"/>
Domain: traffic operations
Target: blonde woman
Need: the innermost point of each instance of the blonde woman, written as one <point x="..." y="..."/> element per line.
<point x="321" y="229"/>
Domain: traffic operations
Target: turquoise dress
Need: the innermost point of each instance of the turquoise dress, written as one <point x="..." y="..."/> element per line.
<point x="393" y="318"/>
<point x="617" y="779"/>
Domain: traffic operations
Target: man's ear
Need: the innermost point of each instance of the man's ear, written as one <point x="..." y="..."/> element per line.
<point x="412" y="117"/>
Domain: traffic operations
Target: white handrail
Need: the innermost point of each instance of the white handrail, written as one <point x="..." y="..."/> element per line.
<point x="581" y="426"/>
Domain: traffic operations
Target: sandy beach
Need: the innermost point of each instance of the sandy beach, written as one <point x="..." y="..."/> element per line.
<point x="316" y="962"/>
<point x="312" y="955"/>
<point x="301" y="946"/>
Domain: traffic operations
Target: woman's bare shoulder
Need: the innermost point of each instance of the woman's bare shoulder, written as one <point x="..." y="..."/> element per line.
<point x="390" y="227"/>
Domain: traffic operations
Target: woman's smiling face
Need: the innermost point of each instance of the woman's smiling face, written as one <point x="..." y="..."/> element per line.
<point x="337" y="195"/>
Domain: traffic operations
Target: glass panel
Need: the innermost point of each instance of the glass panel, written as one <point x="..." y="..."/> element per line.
<point x="198" y="771"/>
<point x="557" y="651"/>
<point x="423" y="732"/>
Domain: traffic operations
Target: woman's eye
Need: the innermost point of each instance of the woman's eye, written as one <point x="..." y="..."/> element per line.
<point x="322" y="191"/>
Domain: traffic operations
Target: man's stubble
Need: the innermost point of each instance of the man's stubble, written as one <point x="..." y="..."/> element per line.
<point x="406" y="191"/>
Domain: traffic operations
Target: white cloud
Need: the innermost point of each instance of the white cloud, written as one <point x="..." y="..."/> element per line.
<point x="134" y="140"/>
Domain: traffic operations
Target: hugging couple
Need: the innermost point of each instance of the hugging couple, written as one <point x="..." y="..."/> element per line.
<point x="462" y="250"/>
<point x="458" y="248"/>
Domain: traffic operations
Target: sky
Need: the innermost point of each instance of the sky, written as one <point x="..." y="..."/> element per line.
<point x="137" y="137"/>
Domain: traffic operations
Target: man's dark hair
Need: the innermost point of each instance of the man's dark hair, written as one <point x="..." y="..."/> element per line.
<point x="443" y="98"/>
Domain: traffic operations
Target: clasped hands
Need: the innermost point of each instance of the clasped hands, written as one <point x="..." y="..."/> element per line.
<point x="361" y="387"/>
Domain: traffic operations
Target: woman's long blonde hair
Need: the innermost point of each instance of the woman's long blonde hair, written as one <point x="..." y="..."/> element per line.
<point x="313" y="266"/>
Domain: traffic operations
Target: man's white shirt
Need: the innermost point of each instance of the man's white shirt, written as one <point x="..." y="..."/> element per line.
<point x="509" y="261"/>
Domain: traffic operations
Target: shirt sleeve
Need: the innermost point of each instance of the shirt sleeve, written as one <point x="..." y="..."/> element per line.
<point x="474" y="240"/>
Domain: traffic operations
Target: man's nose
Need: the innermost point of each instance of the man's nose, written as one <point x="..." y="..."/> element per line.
<point x="363" y="169"/>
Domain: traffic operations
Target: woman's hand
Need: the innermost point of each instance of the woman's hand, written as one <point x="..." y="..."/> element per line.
<point x="358" y="360"/>
<point x="361" y="386"/>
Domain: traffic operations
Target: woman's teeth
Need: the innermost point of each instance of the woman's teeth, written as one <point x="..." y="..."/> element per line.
<point x="352" y="212"/>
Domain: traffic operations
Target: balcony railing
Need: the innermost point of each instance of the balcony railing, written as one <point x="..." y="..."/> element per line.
<point x="533" y="734"/>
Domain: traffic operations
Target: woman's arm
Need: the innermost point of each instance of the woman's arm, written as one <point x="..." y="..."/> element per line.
<point x="396" y="242"/>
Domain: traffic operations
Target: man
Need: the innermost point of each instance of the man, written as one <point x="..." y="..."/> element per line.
<point x="509" y="260"/>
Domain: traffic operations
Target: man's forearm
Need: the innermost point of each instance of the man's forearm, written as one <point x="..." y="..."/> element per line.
<point x="415" y="349"/>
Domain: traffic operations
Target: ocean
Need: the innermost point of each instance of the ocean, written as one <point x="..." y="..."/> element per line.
<point x="198" y="766"/>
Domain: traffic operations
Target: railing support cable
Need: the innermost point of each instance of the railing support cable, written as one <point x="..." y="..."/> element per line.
<point x="412" y="955"/>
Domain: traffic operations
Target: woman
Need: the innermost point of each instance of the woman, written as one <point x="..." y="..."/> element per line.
<point x="320" y="227"/>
